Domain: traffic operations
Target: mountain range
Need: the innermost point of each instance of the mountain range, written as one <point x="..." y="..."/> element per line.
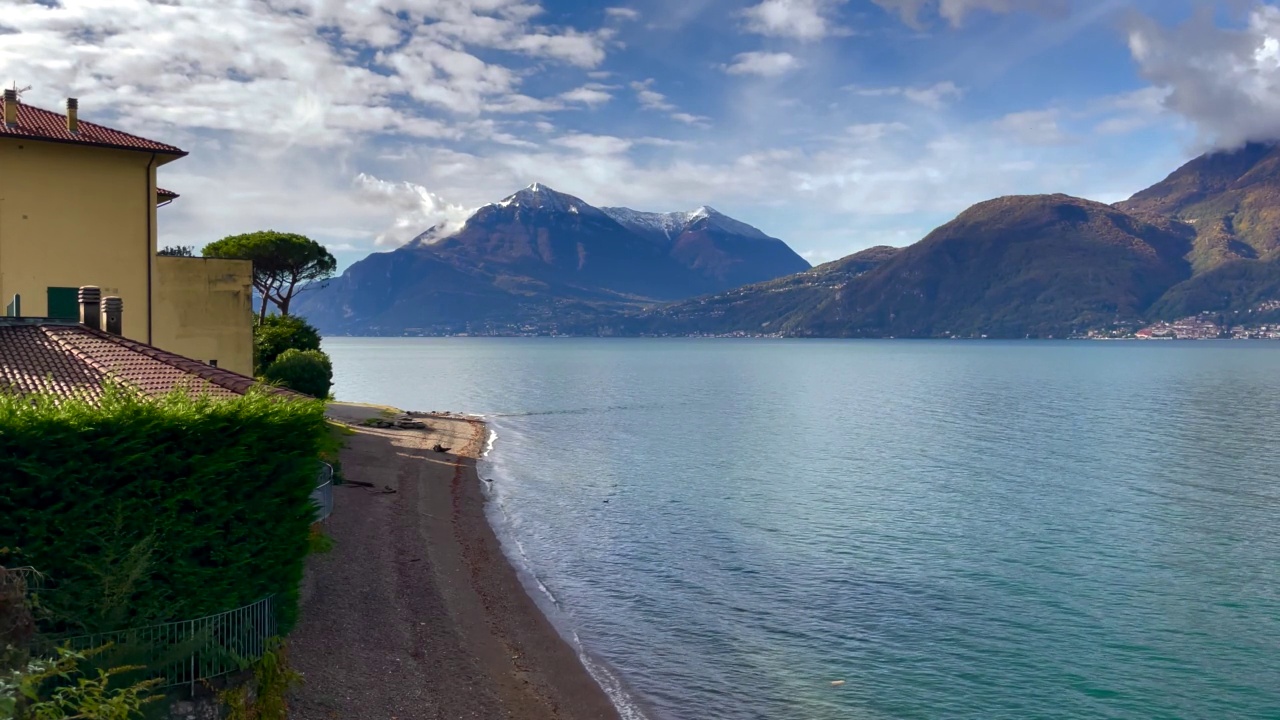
<point x="539" y="259"/>
<point x="1205" y="239"/>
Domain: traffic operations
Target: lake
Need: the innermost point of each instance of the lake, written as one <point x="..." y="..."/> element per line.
<point x="953" y="529"/>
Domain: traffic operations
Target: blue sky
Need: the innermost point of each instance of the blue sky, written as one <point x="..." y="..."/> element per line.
<point x="832" y="124"/>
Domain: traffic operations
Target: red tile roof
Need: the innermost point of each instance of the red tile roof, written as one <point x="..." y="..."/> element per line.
<point x="162" y="194"/>
<point x="38" y="124"/>
<point x="68" y="359"/>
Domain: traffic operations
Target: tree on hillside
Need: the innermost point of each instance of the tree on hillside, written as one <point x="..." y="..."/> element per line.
<point x="284" y="264"/>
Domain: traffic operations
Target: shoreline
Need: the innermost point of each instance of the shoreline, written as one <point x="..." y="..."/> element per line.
<point x="623" y="700"/>
<point x="430" y="616"/>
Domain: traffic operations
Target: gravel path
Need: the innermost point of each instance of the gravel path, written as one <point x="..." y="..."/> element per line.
<point x="416" y="613"/>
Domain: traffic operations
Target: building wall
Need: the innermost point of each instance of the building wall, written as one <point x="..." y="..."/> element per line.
<point x="204" y="310"/>
<point x="74" y="215"/>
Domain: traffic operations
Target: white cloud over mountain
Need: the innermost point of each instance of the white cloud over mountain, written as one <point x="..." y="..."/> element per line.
<point x="417" y="209"/>
<point x="1224" y="80"/>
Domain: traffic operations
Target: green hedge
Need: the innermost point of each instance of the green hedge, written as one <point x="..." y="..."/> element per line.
<point x="139" y="511"/>
<point x="307" y="371"/>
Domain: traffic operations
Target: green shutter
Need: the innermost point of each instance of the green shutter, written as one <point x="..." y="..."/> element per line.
<point x="64" y="303"/>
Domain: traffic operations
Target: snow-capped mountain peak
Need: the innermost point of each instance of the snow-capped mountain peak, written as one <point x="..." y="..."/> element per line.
<point x="540" y="197"/>
<point x="670" y="225"/>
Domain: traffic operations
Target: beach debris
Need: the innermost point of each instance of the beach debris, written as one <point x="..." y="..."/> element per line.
<point x="360" y="483"/>
<point x="409" y="423"/>
<point x="378" y="423"/>
<point x="837" y="683"/>
<point x="440" y="449"/>
<point x="387" y="490"/>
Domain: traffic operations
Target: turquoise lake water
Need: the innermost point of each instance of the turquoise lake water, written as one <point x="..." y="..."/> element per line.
<point x="972" y="530"/>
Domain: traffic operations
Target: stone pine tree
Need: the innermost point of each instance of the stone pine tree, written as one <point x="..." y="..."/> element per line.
<point x="284" y="264"/>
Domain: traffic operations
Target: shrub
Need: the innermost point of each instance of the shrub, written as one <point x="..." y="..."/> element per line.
<point x="273" y="679"/>
<point x="307" y="371"/>
<point x="17" y="621"/>
<point x="64" y="689"/>
<point x="139" y="511"/>
<point x="274" y="334"/>
<point x="318" y="542"/>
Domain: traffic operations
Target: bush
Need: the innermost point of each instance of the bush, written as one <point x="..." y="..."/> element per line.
<point x="278" y="333"/>
<point x="273" y="679"/>
<point x="17" y="621"/>
<point x="142" y="511"/>
<point x="307" y="371"/>
<point x="63" y="688"/>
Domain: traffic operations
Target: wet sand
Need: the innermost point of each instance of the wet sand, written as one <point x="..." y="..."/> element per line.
<point x="416" y="612"/>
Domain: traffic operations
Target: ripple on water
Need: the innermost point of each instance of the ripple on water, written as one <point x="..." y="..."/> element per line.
<point x="956" y="530"/>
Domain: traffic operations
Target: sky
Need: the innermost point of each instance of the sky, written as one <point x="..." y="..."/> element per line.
<point x="835" y="125"/>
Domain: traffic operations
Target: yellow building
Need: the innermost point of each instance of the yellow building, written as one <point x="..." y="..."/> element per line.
<point x="78" y="207"/>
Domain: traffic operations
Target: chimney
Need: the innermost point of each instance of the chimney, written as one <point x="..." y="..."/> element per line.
<point x="113" y="308"/>
<point x="90" y="306"/>
<point x="11" y="107"/>
<point x="73" y="116"/>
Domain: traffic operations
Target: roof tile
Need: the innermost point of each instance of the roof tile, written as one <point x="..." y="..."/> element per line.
<point x="66" y="359"/>
<point x="39" y="124"/>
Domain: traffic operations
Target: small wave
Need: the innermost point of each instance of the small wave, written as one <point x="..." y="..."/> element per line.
<point x="573" y="411"/>
<point x="609" y="682"/>
<point x="526" y="567"/>
<point x="504" y="528"/>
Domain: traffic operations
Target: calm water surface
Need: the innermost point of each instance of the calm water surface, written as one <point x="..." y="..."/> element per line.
<point x="956" y="530"/>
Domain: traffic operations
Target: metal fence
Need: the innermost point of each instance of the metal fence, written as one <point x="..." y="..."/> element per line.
<point x="322" y="496"/>
<point x="186" y="652"/>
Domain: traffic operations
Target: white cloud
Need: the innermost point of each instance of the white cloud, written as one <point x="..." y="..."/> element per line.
<point x="281" y="104"/>
<point x="649" y="98"/>
<point x="764" y="64"/>
<point x="1033" y="127"/>
<point x="601" y="145"/>
<point x="272" y="68"/>
<point x="414" y="208"/>
<point x="797" y="19"/>
<point x="691" y="119"/>
<point x="590" y="94"/>
<point x="622" y="13"/>
<point x="1224" y="81"/>
<point x="954" y="11"/>
<point x="1127" y="112"/>
<point x="872" y="132"/>
<point x="934" y="96"/>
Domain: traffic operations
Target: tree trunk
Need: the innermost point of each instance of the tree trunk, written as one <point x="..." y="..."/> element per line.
<point x="286" y="297"/>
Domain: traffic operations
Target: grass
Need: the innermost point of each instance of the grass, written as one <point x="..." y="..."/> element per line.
<point x="331" y="444"/>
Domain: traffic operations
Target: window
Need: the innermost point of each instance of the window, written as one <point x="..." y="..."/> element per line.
<point x="213" y="363"/>
<point x="64" y="303"/>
